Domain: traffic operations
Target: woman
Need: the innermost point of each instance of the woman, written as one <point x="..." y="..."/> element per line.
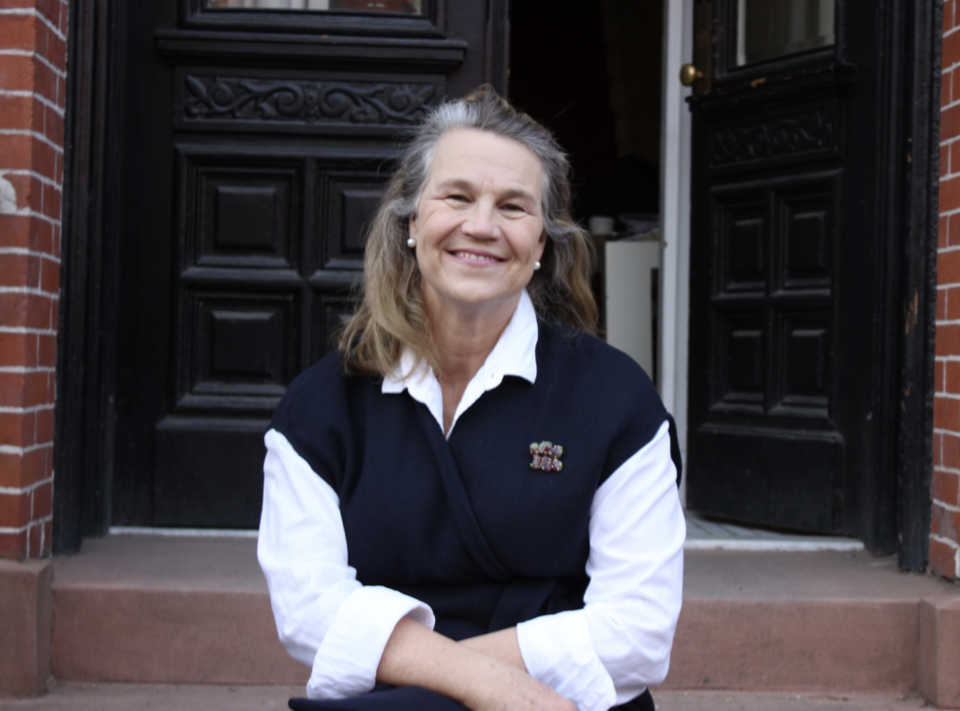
<point x="412" y="536"/>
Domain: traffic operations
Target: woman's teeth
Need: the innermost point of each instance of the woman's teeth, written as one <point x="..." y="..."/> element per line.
<point x="475" y="257"/>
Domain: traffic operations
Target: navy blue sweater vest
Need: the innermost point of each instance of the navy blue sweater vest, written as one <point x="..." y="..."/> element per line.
<point x="466" y="525"/>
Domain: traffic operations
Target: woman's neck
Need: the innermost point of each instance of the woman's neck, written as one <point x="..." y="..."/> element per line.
<point x="464" y="337"/>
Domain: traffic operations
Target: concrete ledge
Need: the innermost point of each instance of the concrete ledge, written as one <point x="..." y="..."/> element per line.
<point x="806" y="622"/>
<point x="193" y="637"/>
<point x="940" y="651"/>
<point x="25" y="621"/>
<point x="79" y="696"/>
<point x="803" y="646"/>
<point x="145" y="609"/>
<point x="152" y="609"/>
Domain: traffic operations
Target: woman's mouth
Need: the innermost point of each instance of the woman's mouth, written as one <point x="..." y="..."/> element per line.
<point x="480" y="258"/>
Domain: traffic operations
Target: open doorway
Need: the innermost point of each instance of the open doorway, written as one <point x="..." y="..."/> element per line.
<point x="592" y="73"/>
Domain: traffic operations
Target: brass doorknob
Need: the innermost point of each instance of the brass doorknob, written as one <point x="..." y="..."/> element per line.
<point x="689" y="74"/>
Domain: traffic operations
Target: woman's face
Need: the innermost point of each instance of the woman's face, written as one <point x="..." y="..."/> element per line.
<point x="479" y="227"/>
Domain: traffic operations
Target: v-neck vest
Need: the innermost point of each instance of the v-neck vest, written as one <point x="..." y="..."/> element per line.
<point x="467" y="525"/>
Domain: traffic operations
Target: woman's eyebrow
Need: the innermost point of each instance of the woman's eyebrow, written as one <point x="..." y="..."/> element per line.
<point x="465" y="184"/>
<point x="458" y="183"/>
<point x="514" y="193"/>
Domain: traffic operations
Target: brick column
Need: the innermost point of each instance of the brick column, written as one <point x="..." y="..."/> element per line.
<point x="944" y="548"/>
<point x="32" y="96"/>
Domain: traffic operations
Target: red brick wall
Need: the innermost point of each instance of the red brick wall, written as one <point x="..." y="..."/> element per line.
<point x="32" y="96"/>
<point x="944" y="548"/>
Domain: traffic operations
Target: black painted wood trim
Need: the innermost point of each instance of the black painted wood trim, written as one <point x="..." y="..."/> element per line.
<point x="443" y="55"/>
<point x="923" y="35"/>
<point x="497" y="51"/>
<point x="81" y="500"/>
<point x="429" y="24"/>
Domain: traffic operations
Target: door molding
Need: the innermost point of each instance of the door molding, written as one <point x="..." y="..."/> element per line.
<point x="673" y="320"/>
<point x="86" y="329"/>
<point x="921" y="30"/>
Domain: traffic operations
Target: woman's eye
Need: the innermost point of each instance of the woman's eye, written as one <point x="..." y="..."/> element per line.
<point x="513" y="208"/>
<point x="457" y="198"/>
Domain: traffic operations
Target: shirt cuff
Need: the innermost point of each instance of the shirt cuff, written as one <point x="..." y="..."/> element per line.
<point x="347" y="660"/>
<point x="558" y="651"/>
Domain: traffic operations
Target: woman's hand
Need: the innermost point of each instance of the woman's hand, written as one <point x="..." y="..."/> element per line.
<point x="417" y="656"/>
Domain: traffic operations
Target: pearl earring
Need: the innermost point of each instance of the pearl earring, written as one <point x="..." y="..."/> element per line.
<point x="536" y="266"/>
<point x="411" y="243"/>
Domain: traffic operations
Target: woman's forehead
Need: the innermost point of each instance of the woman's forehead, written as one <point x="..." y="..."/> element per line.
<point x="469" y="155"/>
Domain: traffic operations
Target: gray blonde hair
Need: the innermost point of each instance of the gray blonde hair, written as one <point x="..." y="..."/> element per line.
<point x="391" y="315"/>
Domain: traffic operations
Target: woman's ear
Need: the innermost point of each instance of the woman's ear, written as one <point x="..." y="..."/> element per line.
<point x="541" y="245"/>
<point x="412" y="227"/>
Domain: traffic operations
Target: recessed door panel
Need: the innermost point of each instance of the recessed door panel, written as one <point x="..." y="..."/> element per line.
<point x="240" y="344"/>
<point x="350" y="199"/>
<point x="805" y="374"/>
<point x="331" y="313"/>
<point x="204" y="475"/>
<point x="785" y="478"/>
<point x="808" y="225"/>
<point x="741" y="376"/>
<point x="742" y="224"/>
<point x="245" y="215"/>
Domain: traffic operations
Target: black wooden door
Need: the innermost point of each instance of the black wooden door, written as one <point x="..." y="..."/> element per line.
<point x="255" y="143"/>
<point x="793" y="284"/>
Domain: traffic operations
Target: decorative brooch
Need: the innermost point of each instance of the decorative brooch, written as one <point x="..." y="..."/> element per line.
<point x="546" y="457"/>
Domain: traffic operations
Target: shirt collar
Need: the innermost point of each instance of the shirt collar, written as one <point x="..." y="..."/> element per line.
<point x="514" y="354"/>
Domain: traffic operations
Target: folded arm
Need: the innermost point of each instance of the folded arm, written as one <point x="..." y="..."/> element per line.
<point x="417" y="656"/>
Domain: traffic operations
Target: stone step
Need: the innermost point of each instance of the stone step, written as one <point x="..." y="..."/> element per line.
<point x="161" y="610"/>
<point x="79" y="696"/>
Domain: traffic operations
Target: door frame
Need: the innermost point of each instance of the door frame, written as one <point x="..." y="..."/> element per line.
<point x="898" y="506"/>
<point x="86" y="332"/>
<point x="675" y="144"/>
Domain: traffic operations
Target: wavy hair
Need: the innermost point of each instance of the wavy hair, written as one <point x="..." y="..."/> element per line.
<point x="392" y="315"/>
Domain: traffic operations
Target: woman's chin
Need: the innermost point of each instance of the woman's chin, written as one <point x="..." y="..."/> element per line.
<point x="478" y="300"/>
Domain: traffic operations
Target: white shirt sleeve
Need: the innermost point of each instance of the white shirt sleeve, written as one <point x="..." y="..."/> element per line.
<point x="619" y="643"/>
<point x="325" y="617"/>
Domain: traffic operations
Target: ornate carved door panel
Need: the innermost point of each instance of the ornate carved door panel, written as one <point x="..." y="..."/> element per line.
<point x="255" y="146"/>
<point x="794" y="284"/>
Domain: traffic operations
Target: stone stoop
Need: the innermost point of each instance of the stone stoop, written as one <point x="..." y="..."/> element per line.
<point x="81" y="696"/>
<point x="24" y="627"/>
<point x="828" y="622"/>
<point x="153" y="609"/>
<point x="186" y="611"/>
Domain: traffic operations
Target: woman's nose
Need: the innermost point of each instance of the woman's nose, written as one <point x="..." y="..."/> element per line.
<point x="481" y="222"/>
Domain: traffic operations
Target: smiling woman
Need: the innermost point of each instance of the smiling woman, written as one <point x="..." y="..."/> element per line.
<point x="473" y="504"/>
<point x="392" y="315"/>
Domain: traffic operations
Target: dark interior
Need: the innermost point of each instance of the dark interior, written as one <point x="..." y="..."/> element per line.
<point x="591" y="73"/>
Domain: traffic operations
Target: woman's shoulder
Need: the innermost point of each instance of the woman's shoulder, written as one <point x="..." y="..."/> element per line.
<point x="602" y="385"/>
<point x="318" y="392"/>
<point x="593" y="359"/>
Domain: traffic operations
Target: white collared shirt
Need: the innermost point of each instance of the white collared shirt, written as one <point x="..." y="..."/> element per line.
<point x="600" y="656"/>
<point x="514" y="354"/>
